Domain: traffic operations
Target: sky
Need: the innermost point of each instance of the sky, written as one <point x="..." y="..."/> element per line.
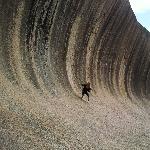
<point x="141" y="9"/>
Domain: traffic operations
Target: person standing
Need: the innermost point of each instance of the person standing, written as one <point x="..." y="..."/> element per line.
<point x="86" y="89"/>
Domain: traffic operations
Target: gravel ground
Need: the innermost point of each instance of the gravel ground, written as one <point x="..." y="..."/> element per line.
<point x="29" y="120"/>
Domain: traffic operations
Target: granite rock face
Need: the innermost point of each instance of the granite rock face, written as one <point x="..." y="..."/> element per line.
<point x="47" y="49"/>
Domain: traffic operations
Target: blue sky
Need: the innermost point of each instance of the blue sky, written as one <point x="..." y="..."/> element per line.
<point x="141" y="9"/>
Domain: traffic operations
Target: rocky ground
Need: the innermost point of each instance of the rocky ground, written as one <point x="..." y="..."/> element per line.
<point x="45" y="123"/>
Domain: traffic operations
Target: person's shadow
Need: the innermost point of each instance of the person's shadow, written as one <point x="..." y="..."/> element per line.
<point x="82" y="99"/>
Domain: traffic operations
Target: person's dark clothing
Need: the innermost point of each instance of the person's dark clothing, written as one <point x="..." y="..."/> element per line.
<point x="86" y="89"/>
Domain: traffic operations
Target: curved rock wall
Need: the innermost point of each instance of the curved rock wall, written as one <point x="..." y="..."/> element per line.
<point x="66" y="43"/>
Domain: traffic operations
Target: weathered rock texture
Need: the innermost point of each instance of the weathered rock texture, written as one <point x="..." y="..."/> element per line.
<point x="47" y="49"/>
